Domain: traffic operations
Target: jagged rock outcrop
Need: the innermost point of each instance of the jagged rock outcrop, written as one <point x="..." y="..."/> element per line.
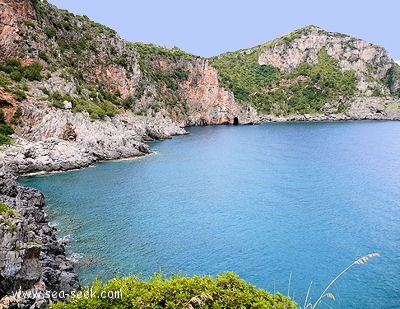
<point x="313" y="72"/>
<point x="355" y="53"/>
<point x="31" y="257"/>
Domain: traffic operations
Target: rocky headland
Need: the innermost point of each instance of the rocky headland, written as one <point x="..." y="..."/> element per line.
<point x="61" y="140"/>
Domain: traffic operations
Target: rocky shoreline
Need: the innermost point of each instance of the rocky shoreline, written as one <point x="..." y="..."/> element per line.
<point x="32" y="258"/>
<point x="51" y="139"/>
<point x="360" y="108"/>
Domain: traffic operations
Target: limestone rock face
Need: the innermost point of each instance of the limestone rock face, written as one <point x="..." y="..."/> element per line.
<point x="13" y="14"/>
<point x="209" y="103"/>
<point x="352" y="53"/>
<point x="361" y="108"/>
<point x="108" y="60"/>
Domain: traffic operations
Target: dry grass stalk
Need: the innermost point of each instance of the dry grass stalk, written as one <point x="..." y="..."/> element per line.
<point x="324" y="294"/>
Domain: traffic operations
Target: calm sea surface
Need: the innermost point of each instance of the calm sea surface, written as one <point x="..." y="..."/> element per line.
<point x="281" y="204"/>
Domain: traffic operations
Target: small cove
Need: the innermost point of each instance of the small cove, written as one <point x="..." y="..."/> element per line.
<point x="280" y="200"/>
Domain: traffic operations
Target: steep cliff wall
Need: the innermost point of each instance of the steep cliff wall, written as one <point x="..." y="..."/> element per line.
<point x="208" y="102"/>
<point x="59" y="70"/>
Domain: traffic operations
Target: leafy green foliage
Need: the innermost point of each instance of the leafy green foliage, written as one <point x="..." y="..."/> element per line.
<point x="17" y="115"/>
<point x="97" y="111"/>
<point x="392" y="75"/>
<point x="5" y="131"/>
<point x="152" y="50"/>
<point x="19" y="94"/>
<point x="43" y="55"/>
<point x="16" y="76"/>
<point x="6" y="213"/>
<point x="51" y="32"/>
<point x="226" y="291"/>
<point x="5" y="140"/>
<point x="16" y="71"/>
<point x="241" y="73"/>
<point x="5" y="81"/>
<point x="2" y="117"/>
<point x="290" y="37"/>
<point x="98" y="105"/>
<point x="29" y="23"/>
<point x="270" y="91"/>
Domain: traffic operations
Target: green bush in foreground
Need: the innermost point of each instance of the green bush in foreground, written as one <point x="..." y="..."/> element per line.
<point x="226" y="291"/>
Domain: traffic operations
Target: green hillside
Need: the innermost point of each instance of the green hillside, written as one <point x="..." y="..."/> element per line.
<point x="358" y="68"/>
<point x="305" y="91"/>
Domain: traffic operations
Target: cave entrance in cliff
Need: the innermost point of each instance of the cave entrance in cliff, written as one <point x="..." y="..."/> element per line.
<point x="235" y="121"/>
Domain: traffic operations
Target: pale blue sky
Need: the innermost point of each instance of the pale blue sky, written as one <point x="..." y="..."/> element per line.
<point x="210" y="27"/>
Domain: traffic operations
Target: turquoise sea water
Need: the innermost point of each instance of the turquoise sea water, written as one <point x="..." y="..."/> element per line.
<point x="275" y="203"/>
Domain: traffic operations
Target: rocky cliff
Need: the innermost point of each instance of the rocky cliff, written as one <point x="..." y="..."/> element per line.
<point x="62" y="140"/>
<point x="13" y="15"/>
